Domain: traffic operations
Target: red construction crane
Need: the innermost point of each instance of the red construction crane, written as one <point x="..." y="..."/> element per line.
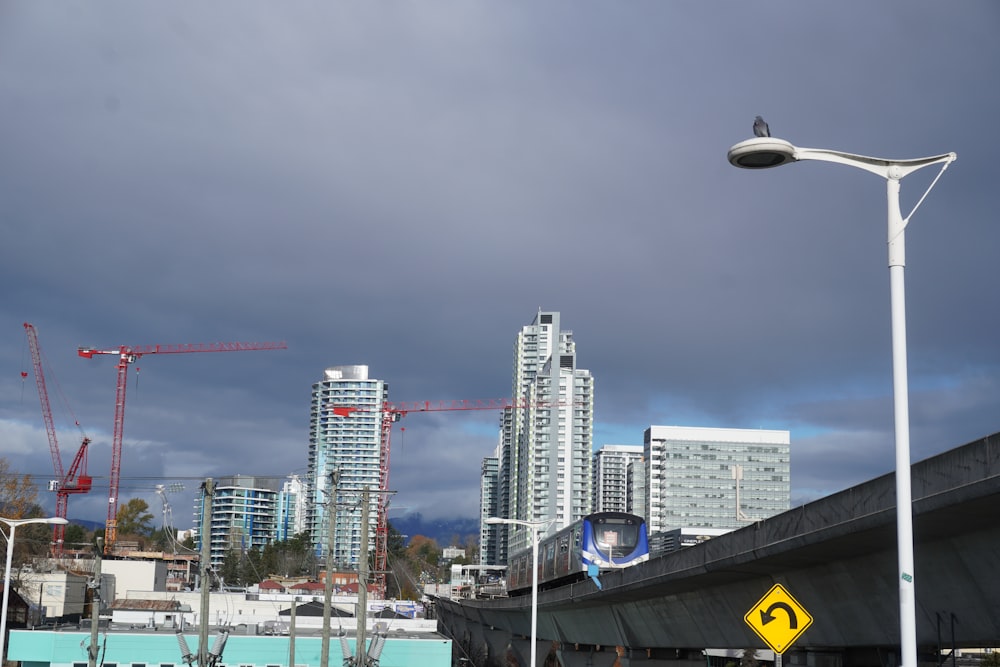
<point x="75" y="480"/>
<point x="128" y="355"/>
<point x="393" y="412"/>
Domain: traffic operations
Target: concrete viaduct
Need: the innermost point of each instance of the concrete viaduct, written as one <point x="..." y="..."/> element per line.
<point x="836" y="556"/>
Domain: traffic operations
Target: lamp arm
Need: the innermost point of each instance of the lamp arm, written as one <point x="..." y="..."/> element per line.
<point x="891" y="170"/>
<point x="883" y="167"/>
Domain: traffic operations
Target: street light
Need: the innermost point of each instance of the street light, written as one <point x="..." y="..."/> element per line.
<point x="534" y="527"/>
<point x="766" y="152"/>
<point x="14" y="523"/>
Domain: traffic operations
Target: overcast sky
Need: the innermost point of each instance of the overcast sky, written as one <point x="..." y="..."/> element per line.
<point x="404" y="185"/>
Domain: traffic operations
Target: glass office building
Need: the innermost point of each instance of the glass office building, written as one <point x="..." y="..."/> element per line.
<point x="714" y="477"/>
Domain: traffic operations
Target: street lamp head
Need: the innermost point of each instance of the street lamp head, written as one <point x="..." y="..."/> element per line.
<point x="494" y="520"/>
<point x="52" y="520"/>
<point x="761" y="153"/>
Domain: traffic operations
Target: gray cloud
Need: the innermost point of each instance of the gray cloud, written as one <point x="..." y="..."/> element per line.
<point x="404" y="188"/>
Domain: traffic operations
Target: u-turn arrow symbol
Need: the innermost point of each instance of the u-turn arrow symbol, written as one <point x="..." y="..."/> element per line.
<point x="766" y="615"/>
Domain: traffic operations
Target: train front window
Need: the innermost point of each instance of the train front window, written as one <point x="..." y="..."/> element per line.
<point x="620" y="537"/>
<point x="616" y="534"/>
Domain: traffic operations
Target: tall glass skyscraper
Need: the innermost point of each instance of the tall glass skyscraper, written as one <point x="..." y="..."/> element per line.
<point x="546" y="442"/>
<point x="348" y="441"/>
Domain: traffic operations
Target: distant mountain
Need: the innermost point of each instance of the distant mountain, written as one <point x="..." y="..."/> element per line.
<point x="440" y="530"/>
<point x="87" y="524"/>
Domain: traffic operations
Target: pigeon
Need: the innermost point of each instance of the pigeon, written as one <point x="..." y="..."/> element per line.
<point x="760" y="128"/>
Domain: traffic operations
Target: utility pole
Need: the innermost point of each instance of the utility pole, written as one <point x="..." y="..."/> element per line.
<point x="208" y="489"/>
<point x="95" y="605"/>
<point x="331" y="524"/>
<point x="362" y="582"/>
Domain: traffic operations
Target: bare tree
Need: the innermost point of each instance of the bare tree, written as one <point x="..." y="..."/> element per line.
<point x="18" y="495"/>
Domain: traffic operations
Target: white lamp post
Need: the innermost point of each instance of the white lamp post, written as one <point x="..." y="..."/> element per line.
<point x="534" y="527"/>
<point x="765" y="152"/>
<point x="14" y="523"/>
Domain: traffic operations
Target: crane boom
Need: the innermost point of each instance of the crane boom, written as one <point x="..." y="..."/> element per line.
<point x="75" y="480"/>
<point x="184" y="348"/>
<point x="127" y="355"/>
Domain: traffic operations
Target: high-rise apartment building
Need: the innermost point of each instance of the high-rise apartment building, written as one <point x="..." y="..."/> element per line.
<point x="489" y="499"/>
<point x="547" y="441"/>
<point x="347" y="441"/>
<point x="714" y="477"/>
<point x="293" y="508"/>
<point x="243" y="515"/>
<point x="611" y="477"/>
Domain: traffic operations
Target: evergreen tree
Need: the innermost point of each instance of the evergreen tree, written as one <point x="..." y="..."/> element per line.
<point x="395" y="542"/>
<point x="134" y="518"/>
<point x="749" y="658"/>
<point x="250" y="568"/>
<point x="76" y="537"/>
<point x="230" y="571"/>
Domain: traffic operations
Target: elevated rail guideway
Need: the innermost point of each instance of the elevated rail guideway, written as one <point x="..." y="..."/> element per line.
<point x="836" y="555"/>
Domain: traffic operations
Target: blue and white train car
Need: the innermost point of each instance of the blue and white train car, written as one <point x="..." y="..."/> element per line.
<point x="605" y="540"/>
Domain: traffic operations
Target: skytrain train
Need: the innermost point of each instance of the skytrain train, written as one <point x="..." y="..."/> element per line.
<point x="606" y="540"/>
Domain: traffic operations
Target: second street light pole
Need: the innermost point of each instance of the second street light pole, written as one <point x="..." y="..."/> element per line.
<point x="95" y="605"/>
<point x="12" y="524"/>
<point x="534" y="527"/>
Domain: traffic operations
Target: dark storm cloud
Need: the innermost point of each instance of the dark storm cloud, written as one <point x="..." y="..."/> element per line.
<point x="404" y="187"/>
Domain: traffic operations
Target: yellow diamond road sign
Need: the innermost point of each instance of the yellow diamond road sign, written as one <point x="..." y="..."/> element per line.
<point x="778" y="619"/>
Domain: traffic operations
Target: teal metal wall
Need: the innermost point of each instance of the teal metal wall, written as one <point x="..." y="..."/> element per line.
<point x="36" y="648"/>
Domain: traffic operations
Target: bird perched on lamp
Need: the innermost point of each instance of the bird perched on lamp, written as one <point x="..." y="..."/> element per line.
<point x="760" y="128"/>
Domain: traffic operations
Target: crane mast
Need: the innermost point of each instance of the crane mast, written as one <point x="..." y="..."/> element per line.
<point x="73" y="481"/>
<point x="128" y="355"/>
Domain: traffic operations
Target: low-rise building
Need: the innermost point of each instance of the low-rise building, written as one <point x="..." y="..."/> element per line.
<point x="137" y="575"/>
<point x="139" y="613"/>
<point x="59" y="595"/>
<point x="451" y="553"/>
